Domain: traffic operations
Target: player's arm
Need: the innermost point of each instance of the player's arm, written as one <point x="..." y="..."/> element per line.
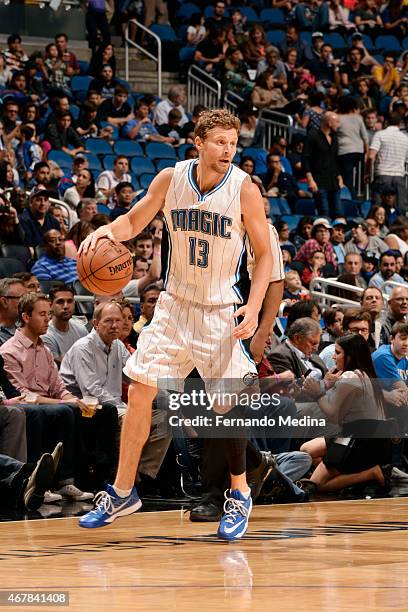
<point x="127" y="226"/>
<point x="254" y="219"/>
<point x="270" y="307"/>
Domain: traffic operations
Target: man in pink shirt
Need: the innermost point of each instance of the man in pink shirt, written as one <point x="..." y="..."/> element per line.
<point x="30" y="367"/>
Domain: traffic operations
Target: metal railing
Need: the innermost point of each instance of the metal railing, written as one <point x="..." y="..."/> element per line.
<point x="202" y="88"/>
<point x="132" y="43"/>
<point x="275" y="124"/>
<point x="318" y="288"/>
<point x="232" y="102"/>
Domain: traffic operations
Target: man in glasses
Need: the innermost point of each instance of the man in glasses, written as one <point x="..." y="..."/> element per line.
<point x="11" y="289"/>
<point x="397" y="311"/>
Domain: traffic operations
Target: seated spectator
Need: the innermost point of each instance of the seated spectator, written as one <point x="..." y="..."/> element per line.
<point x="361" y="241"/>
<point x="148" y="300"/>
<point x="395" y="19"/>
<point x="63" y="137"/>
<point x="76" y="236"/>
<point x="10" y="121"/>
<point x="294" y="289"/>
<point x="6" y="176"/>
<point x="233" y="73"/>
<point x="293" y="40"/>
<point x="386" y="273"/>
<point x="54" y="265"/>
<point x="333" y="326"/>
<point x="175" y="99"/>
<point x="42" y="178"/>
<point x="353" y="399"/>
<point x="313" y="268"/>
<point x="247" y="164"/>
<point x="31" y="369"/>
<point x="353" y="264"/>
<point x="265" y="94"/>
<point x="372" y="301"/>
<point x="389" y="197"/>
<point x="11" y="289"/>
<point x="196" y="30"/>
<point x="209" y="52"/>
<point x="11" y="231"/>
<point x="302" y="232"/>
<point x="80" y="162"/>
<point x="57" y="69"/>
<point x="171" y="130"/>
<point x="367" y="18"/>
<point x="306" y="308"/>
<point x="219" y="18"/>
<point x="5" y="73"/>
<point x="103" y="56"/>
<point x="84" y="187"/>
<point x="275" y="66"/>
<point x="338" y="239"/>
<point x="15" y="55"/>
<point x="61" y="40"/>
<point x="364" y="101"/>
<point x="58" y="213"/>
<point x="29" y="153"/>
<point x="397" y="310"/>
<point x="339" y="18"/>
<point x="59" y="104"/>
<point x="36" y="220"/>
<point x="87" y="208"/>
<point x="321" y="234"/>
<point x="386" y="76"/>
<point x="142" y="128"/>
<point x="353" y="69"/>
<point x="63" y="330"/>
<point x="109" y="179"/>
<point x="105" y="83"/>
<point x="391" y="361"/>
<point x="117" y="110"/>
<point x="280" y="184"/>
<point x="254" y="48"/>
<point x="325" y="69"/>
<point x="88" y="123"/>
<point x="282" y="229"/>
<point x="397" y="239"/>
<point x="29" y="281"/>
<point x="187" y="131"/>
<point x="124" y="199"/>
<point x="355" y="321"/>
<point x="311" y="15"/>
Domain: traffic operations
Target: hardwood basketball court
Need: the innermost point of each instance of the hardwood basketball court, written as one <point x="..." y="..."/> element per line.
<point x="337" y="555"/>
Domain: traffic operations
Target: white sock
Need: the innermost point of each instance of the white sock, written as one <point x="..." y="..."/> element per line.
<point x="122" y="492"/>
<point x="246" y="494"/>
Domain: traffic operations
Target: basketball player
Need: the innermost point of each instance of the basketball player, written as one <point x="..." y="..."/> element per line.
<point x="209" y="206"/>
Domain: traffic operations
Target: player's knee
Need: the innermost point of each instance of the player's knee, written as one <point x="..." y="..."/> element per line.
<point x="141" y="396"/>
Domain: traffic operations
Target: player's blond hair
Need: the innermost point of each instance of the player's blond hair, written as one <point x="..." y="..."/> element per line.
<point x="219" y="117"/>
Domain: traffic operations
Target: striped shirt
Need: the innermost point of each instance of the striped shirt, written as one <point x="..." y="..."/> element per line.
<point x="392" y="151"/>
<point x="48" y="268"/>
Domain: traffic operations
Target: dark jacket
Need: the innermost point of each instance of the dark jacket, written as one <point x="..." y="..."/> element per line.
<point x="283" y="358"/>
<point x="321" y="159"/>
<point x="8" y="389"/>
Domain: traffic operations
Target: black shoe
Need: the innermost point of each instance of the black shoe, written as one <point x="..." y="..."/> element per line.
<point x="205" y="512"/>
<point x="258" y="476"/>
<point x="279" y="489"/>
<point x="39" y="482"/>
<point x="307" y="485"/>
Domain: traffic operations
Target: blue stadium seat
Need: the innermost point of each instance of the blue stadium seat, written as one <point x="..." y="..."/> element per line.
<point x="135" y="182"/>
<point x="94" y="162"/>
<point x="61" y="158"/>
<point x="115" y="133"/>
<point x="345" y="193"/>
<point x="74" y="110"/>
<point x="124" y="83"/>
<point x="335" y="40"/>
<point x="251" y="152"/>
<point x="98" y="146"/>
<point x="306" y="37"/>
<point x="365" y="207"/>
<point x="161" y="164"/>
<point x="160" y="150"/>
<point x="186" y="54"/>
<point x="182" y="150"/>
<point x="10" y="266"/>
<point x="350" y="208"/>
<point x="187" y="10"/>
<point x="284" y="207"/>
<point x="107" y="161"/>
<point x="130" y="148"/>
<point x="388" y="43"/>
<point x="291" y="220"/>
<point x="83" y="67"/>
<point x="142" y="166"/>
<point x="237" y="158"/>
<point x="80" y="83"/>
<point x="385" y="105"/>
<point x="182" y="32"/>
<point x="103" y="210"/>
<point x="273" y="18"/>
<point x="275" y="36"/>
<point x="145" y="180"/>
<point x="304" y="206"/>
<point x="274" y="204"/>
<point x="368" y="43"/>
<point x="164" y="32"/>
<point x="405" y="43"/>
<point x="249" y="13"/>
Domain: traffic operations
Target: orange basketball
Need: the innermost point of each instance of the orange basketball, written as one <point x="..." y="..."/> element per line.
<point x="106" y="269"/>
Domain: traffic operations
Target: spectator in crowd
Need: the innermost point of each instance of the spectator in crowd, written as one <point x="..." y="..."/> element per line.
<point x="365" y="102"/>
<point x="54" y="265"/>
<point x="87" y="208"/>
<point x="353" y="264"/>
<point x="265" y="94"/>
<point x="390" y="360"/>
<point x="389" y="152"/>
<point x="320" y="241"/>
<point x="175" y="99"/>
<point x="187" y="131"/>
<point x="142" y="128"/>
<point x="61" y="40"/>
<point x="275" y="66"/>
<point x="325" y="69"/>
<point x="171" y="130"/>
<point x="88" y="123"/>
<point x="104" y="83"/>
<point x="293" y="40"/>
<point x="109" y="179"/>
<point x="219" y="18"/>
<point x="367" y="18"/>
<point x="377" y="212"/>
<point x="353" y="69"/>
<point x="322" y="167"/>
<point x="15" y="55"/>
<point x="75" y="237"/>
<point x="306" y="308"/>
<point x="254" y="48"/>
<point x="11" y="231"/>
<point x="397" y="238"/>
<point x="361" y="242"/>
<point x="294" y="289"/>
<point x="338" y="238"/>
<point x="11" y="290"/>
<point x="313" y="268"/>
<point x="372" y="123"/>
<point x="124" y="199"/>
<point x="36" y="220"/>
<point x="355" y="321"/>
<point x="303" y="231"/>
<point x="148" y="300"/>
<point x="397" y="310"/>
<point x="57" y="69"/>
<point x="314" y="111"/>
<point x="84" y="187"/>
<point x="62" y="136"/>
<point x="386" y="272"/>
<point x="104" y="55"/>
<point x="353" y="398"/>
<point x="29" y="281"/>
<point x="196" y="30"/>
<point x="372" y="301"/>
<point x="353" y="143"/>
<point x="281" y="184"/>
<point x="117" y="110"/>
<point x="96" y="22"/>
<point x="209" y="52"/>
<point x="63" y="330"/>
<point x="386" y="76"/>
<point x="31" y="369"/>
<point x="333" y="326"/>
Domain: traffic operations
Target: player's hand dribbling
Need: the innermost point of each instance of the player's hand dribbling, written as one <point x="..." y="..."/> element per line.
<point x="248" y="326"/>
<point x="90" y="241"/>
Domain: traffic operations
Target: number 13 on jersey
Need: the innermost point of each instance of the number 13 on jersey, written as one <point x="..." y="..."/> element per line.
<point x="199" y="258"/>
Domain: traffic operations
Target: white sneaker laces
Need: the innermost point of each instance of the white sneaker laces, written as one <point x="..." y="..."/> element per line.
<point x="104" y="502"/>
<point x="232" y="507"/>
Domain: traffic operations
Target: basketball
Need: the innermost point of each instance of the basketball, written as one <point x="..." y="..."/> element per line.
<point x="106" y="269"/>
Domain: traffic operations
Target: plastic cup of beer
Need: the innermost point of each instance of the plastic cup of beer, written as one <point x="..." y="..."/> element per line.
<point x="31" y="398"/>
<point x="91" y="405"/>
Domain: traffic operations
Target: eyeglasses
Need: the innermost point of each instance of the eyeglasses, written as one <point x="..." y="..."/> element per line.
<point x="11" y="297"/>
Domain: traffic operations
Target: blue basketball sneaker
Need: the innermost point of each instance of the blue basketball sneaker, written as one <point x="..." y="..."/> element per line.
<point x="234" y="521"/>
<point x="109" y="506"/>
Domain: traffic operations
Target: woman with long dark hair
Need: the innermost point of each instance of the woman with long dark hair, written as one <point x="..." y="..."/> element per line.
<point x="83" y="188"/>
<point x="104" y="55"/>
<point x="6" y="176"/>
<point x="11" y="231"/>
<point x="355" y="401"/>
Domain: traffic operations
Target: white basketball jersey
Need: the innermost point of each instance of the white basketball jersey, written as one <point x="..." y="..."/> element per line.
<point x="206" y="237"/>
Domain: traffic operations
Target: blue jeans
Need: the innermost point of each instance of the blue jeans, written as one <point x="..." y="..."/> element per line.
<point x="329" y="203"/>
<point x="292" y="467"/>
